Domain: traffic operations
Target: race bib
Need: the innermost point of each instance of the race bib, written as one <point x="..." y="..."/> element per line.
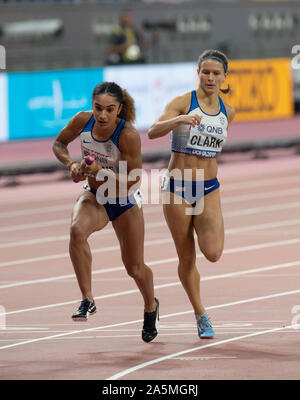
<point x="206" y="138"/>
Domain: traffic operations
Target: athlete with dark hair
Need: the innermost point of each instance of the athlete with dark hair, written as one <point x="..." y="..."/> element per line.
<point x="191" y="195"/>
<point x="108" y="134"/>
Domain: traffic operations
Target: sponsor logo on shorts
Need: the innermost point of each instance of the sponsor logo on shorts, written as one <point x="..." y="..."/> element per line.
<point x="210" y="187"/>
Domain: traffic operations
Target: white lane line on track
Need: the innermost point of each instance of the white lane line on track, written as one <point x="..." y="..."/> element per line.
<point x="44" y="224"/>
<point x="34" y="242"/>
<point x="105" y="232"/>
<point x="166" y="285"/>
<point x="161" y="261"/>
<point x="150" y="225"/>
<point x="147" y="210"/>
<point x="181" y="353"/>
<point x="247" y="211"/>
<point x="268" y="208"/>
<point x="108" y="231"/>
<point x="112" y="248"/>
<point x="260" y="196"/>
<point x="257" y="182"/>
<point x="54" y="209"/>
<point x="64" y="255"/>
<point x="249" y="182"/>
<point x="57" y="208"/>
<point x="244" y="301"/>
<point x="267" y="225"/>
<point x="37" y="210"/>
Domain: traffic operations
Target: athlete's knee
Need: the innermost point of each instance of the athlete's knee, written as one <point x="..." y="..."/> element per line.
<point x="134" y="270"/>
<point x="85" y="200"/>
<point x="77" y="233"/>
<point x="187" y="260"/>
<point x="185" y="269"/>
<point x="213" y="255"/>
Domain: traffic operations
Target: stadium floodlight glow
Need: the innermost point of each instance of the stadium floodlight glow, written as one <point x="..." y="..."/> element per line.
<point x="32" y="28"/>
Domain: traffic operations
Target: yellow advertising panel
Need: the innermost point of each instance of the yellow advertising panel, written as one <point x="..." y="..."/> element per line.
<point x="260" y="89"/>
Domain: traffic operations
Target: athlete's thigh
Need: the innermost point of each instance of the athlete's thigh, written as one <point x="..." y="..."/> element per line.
<point x="180" y="224"/>
<point x="130" y="231"/>
<point x="88" y="214"/>
<point x="209" y="224"/>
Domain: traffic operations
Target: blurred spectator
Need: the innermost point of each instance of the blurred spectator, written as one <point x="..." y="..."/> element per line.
<point x="126" y="44"/>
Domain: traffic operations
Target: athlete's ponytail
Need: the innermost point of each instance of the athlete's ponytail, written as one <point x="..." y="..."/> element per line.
<point x="128" y="109"/>
<point x="121" y="95"/>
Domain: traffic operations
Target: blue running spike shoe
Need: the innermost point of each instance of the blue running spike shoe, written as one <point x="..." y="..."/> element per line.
<point x="205" y="330"/>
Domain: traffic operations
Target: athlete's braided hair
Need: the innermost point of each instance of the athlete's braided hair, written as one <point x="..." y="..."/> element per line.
<point x="121" y="95"/>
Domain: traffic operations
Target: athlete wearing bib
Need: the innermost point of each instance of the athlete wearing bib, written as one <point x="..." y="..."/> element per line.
<point x="107" y="133"/>
<point x="206" y="140"/>
<point x="198" y="123"/>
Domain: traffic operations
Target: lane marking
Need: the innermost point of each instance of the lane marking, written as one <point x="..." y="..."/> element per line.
<point x="150" y="263"/>
<point x="261" y="196"/>
<point x="63" y="207"/>
<point x="256" y="210"/>
<point x="105" y="232"/>
<point x="268" y="225"/>
<point x="247" y="183"/>
<point x="256" y="182"/>
<point x="44" y="224"/>
<point x="111" y="248"/>
<point x="35" y="211"/>
<point x="162" y="317"/>
<point x="180" y="353"/>
<point x="203" y="358"/>
<point x="154" y="208"/>
<point x="66" y="255"/>
<point x="247" y="211"/>
<point x="166" y="285"/>
<point x="108" y="231"/>
<point x="22" y="328"/>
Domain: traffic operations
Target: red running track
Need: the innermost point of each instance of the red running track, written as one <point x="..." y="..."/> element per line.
<point x="252" y="294"/>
